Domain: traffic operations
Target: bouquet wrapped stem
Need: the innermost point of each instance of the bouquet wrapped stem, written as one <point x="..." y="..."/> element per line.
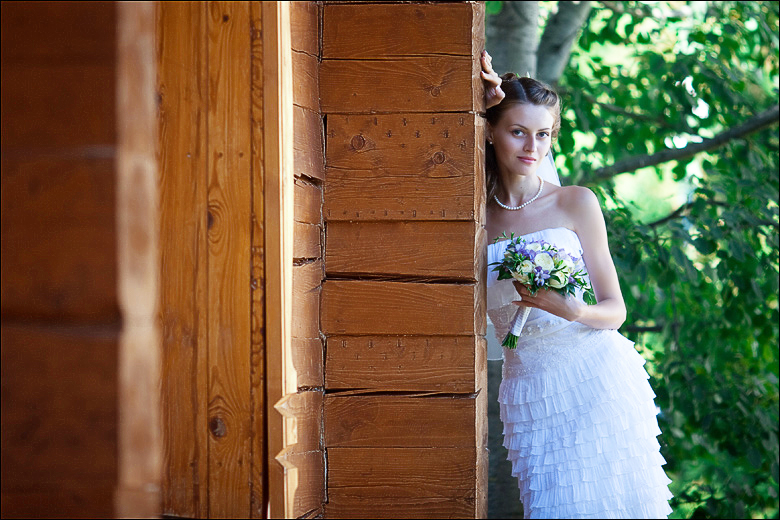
<point x="510" y="341"/>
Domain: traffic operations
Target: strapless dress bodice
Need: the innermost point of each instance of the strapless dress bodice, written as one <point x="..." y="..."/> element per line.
<point x="501" y="293"/>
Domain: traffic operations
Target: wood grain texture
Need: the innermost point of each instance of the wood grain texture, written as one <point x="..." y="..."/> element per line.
<point x="305" y="27"/>
<point x="385" y="30"/>
<point x="421" y="84"/>
<point x="306" y="241"/>
<point x="371" y="307"/>
<point x="387" y="421"/>
<point x="59" y="394"/>
<point x="307" y="285"/>
<point x="306" y="80"/>
<point x="412" y="249"/>
<point x="422" y="146"/>
<point x="183" y="83"/>
<point x="402" y="363"/>
<point x="58" y="33"/>
<point x="349" y="506"/>
<point x="308" y="202"/>
<point x="403" y="473"/>
<point x="31" y="90"/>
<point x="309" y="159"/>
<point x="382" y="195"/>
<point x="229" y="207"/>
<point x="59" y="237"/>
<point x="308" y="360"/>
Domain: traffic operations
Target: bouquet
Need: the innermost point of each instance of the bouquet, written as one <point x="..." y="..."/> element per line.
<point x="539" y="265"/>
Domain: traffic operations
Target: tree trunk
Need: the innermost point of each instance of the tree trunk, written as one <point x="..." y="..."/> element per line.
<point x="559" y="34"/>
<point x="513" y="37"/>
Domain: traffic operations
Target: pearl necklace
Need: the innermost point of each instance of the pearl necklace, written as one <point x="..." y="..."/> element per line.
<point x="524" y="204"/>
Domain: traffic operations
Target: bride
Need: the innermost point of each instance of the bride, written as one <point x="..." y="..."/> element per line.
<point x="579" y="420"/>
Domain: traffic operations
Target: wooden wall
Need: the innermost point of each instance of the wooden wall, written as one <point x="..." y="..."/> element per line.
<point x="211" y="313"/>
<point x="402" y="301"/>
<point x="60" y="316"/>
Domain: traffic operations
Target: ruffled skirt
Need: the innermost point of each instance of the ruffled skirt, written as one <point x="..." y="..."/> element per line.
<point x="580" y="426"/>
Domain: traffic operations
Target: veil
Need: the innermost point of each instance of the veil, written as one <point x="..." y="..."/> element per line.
<point x="549" y="173"/>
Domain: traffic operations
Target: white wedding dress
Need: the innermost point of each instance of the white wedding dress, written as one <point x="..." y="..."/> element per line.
<point x="579" y="420"/>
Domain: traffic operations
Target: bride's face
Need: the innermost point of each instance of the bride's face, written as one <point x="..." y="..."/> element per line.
<point x="521" y="138"/>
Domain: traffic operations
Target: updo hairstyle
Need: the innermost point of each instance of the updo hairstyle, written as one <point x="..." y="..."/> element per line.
<point x="518" y="90"/>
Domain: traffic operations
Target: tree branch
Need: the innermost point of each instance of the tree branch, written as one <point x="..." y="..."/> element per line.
<point x="517" y="28"/>
<point x="559" y="35"/>
<point x="679" y="211"/>
<point x="758" y="122"/>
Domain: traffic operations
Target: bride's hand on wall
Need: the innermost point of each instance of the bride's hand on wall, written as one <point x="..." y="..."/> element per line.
<point x="566" y="307"/>
<point x="493" y="92"/>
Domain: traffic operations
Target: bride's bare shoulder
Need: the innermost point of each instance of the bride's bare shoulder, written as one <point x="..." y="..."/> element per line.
<point x="575" y="197"/>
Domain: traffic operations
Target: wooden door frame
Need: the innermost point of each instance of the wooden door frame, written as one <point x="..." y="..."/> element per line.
<point x="278" y="182"/>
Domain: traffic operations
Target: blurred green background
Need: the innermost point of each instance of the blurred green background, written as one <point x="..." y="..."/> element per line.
<point x="670" y="115"/>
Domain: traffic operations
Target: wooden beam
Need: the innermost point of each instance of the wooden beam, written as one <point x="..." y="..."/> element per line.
<point x="420" y="84"/>
<point x="351" y="307"/>
<point x="362" y="31"/>
<point x="403" y="363"/>
<point x="424" y="145"/>
<point x="406" y="249"/>
<point x="279" y="184"/>
<point x="390" y="421"/>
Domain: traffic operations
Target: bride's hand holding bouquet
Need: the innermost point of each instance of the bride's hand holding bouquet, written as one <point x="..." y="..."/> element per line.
<point x="535" y="265"/>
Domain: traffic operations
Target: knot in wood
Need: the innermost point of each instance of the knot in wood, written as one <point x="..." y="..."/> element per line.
<point x="358" y="142"/>
<point x="438" y="157"/>
<point x="435" y="91"/>
<point x="217" y="427"/>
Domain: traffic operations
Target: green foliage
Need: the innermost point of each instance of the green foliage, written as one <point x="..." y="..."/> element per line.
<point x="699" y="271"/>
<point x="701" y="285"/>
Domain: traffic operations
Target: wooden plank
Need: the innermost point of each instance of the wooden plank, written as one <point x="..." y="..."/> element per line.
<point x="307" y="241"/>
<point x="305" y="27"/>
<point x="306" y="81"/>
<point x="58" y="189"/>
<point x="61" y="271"/>
<point x="257" y="503"/>
<point x="391" y="195"/>
<point x="388" y="421"/>
<point x="182" y="76"/>
<point x="423" y="146"/>
<point x="59" y="411"/>
<point x="308" y="143"/>
<point x="404" y="473"/>
<point x="229" y="141"/>
<point x="402" y="363"/>
<point x="307" y="356"/>
<point x="347" y="506"/>
<point x="384" y="30"/>
<point x="278" y="167"/>
<point x="309" y="470"/>
<point x="372" y="307"/>
<point x="61" y="502"/>
<point x="414" y="249"/>
<point x="307" y="285"/>
<point x="308" y="202"/>
<point x="58" y="33"/>
<point x="31" y="91"/>
<point x="424" y="84"/>
<point x="306" y="408"/>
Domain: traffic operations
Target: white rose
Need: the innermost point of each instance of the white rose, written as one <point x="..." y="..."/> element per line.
<point x="553" y="281"/>
<point x="545" y="261"/>
<point x="534" y="246"/>
<point x="523" y="275"/>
